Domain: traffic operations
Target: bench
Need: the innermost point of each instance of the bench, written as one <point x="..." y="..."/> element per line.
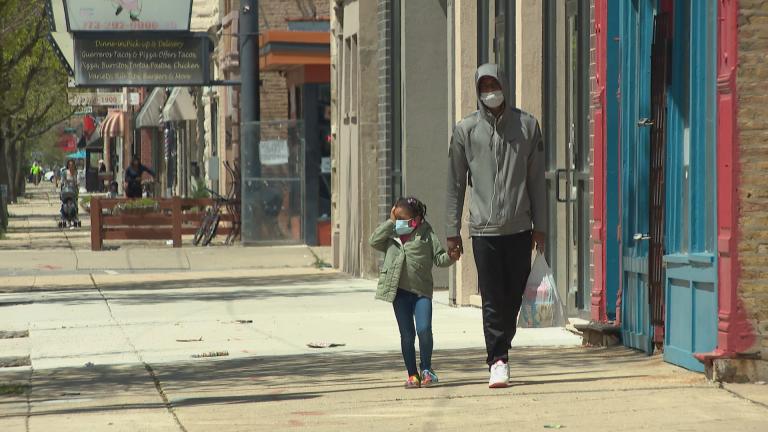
<point x="173" y="218"/>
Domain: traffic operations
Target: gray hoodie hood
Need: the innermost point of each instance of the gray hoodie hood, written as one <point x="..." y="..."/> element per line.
<point x="502" y="158"/>
<point x="493" y="71"/>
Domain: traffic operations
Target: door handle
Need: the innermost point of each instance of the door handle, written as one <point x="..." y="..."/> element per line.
<point x="558" y="173"/>
<point x="644" y="122"/>
<point x="641" y="236"/>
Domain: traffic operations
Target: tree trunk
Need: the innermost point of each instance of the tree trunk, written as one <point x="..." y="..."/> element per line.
<point x="10" y="178"/>
<point x="19" y="172"/>
<point x="3" y="169"/>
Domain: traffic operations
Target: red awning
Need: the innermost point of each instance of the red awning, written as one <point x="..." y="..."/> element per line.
<point x="113" y="125"/>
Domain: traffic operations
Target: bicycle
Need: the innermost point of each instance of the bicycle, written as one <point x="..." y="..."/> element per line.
<point x="207" y="230"/>
<point x="210" y="223"/>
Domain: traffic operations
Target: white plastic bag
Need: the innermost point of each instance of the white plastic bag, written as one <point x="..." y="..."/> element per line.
<point x="541" y="306"/>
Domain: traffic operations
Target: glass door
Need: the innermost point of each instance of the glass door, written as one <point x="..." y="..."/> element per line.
<point x="577" y="154"/>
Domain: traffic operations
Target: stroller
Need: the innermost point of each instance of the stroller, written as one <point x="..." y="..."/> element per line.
<point x="69" y="207"/>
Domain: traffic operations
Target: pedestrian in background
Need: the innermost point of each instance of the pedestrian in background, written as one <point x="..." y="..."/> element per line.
<point x="411" y="249"/>
<point x="133" y="174"/>
<point x="498" y="151"/>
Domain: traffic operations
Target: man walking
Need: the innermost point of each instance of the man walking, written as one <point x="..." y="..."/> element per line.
<point x="498" y="151"/>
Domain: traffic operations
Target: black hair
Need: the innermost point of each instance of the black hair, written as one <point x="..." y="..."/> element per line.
<point x="412" y="204"/>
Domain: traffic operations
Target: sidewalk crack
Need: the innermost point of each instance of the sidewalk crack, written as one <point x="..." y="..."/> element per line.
<point x="744" y="398"/>
<point x="147" y="366"/>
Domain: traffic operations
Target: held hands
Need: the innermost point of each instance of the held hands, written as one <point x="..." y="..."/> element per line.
<point x="455" y="247"/>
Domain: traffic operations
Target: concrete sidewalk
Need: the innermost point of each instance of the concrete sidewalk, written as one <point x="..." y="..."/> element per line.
<point x="35" y="246"/>
<point x="115" y="353"/>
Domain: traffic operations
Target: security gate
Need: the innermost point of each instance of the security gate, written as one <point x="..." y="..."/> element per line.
<point x="659" y="82"/>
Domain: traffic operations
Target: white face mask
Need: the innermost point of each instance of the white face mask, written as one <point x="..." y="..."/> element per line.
<point x="492" y="99"/>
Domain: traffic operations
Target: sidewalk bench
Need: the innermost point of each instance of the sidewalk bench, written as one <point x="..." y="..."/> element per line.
<point x="173" y="218"/>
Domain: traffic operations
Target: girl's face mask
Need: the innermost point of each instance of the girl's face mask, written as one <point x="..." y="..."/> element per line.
<point x="405" y="227"/>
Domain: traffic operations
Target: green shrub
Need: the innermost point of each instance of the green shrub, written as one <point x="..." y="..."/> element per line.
<point x="199" y="189"/>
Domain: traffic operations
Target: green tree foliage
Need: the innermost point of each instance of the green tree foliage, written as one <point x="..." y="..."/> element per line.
<point x="33" y="87"/>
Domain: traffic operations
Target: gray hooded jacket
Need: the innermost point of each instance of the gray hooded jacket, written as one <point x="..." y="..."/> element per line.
<point x="502" y="159"/>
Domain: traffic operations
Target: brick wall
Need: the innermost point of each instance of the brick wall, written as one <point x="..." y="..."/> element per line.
<point x="753" y="136"/>
<point x="273" y="15"/>
<point x="274" y="96"/>
<point x="145" y="150"/>
<point x="384" y="20"/>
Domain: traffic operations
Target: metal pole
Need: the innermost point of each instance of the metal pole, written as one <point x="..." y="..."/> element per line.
<point x="483" y="31"/>
<point x="249" y="89"/>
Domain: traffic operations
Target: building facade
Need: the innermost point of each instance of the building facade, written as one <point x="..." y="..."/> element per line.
<point x="426" y="56"/>
<point x="654" y="144"/>
<point x="678" y="135"/>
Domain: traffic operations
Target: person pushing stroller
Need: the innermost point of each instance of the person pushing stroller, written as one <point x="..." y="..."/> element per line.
<point x="68" y="197"/>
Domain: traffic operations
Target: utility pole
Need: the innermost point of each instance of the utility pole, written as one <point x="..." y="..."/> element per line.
<point x="250" y="100"/>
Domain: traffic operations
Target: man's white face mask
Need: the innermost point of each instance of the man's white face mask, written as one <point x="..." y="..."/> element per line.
<point x="492" y="99"/>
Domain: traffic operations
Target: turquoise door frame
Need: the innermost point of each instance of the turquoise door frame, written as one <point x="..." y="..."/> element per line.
<point x="691" y="229"/>
<point x="636" y="36"/>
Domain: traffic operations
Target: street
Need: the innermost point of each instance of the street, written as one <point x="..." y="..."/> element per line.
<point x="204" y="347"/>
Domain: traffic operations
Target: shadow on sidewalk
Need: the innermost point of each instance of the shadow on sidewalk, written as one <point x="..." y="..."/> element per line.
<point x="263" y="380"/>
<point x="215" y="289"/>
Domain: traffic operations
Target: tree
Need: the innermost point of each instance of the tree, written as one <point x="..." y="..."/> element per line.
<point x="33" y="86"/>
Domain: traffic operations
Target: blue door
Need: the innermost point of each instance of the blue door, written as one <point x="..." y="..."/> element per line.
<point x="636" y="34"/>
<point x="690" y="260"/>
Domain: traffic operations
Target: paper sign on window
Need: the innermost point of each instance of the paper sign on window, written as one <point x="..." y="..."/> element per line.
<point x="273" y="152"/>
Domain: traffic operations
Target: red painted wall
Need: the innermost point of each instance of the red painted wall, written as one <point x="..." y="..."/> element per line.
<point x="598" y="217"/>
<point x="734" y="332"/>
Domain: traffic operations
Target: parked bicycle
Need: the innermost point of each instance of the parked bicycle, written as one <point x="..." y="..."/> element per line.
<point x="210" y="223"/>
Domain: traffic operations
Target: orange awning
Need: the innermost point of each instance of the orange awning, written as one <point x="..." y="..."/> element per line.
<point x="282" y="50"/>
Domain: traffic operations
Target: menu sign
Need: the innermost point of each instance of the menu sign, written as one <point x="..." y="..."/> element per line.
<point x="115" y="60"/>
<point x="128" y="15"/>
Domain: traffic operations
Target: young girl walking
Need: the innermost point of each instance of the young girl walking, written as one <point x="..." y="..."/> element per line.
<point x="411" y="249"/>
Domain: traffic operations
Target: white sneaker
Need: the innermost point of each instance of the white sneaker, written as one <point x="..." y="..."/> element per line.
<point x="499" y="375"/>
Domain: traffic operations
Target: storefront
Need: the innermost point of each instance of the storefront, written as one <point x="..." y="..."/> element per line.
<point x="656" y="135"/>
<point x="545" y="55"/>
<point x="150" y="126"/>
<point x="301" y="55"/>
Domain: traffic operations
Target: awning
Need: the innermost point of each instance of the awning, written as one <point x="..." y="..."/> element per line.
<point x="112" y="126"/>
<point x="80" y="154"/>
<point x="281" y="50"/>
<point x="149" y="115"/>
<point x="180" y="106"/>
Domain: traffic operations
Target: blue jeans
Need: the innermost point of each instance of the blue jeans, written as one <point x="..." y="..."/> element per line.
<point x="407" y="306"/>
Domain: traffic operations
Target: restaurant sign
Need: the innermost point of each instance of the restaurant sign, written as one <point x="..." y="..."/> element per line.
<point x="128" y="15"/>
<point x="114" y="59"/>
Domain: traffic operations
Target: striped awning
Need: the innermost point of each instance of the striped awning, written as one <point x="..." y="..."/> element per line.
<point x="113" y="125"/>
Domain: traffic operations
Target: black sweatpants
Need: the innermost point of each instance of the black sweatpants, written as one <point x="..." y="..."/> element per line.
<point x="503" y="265"/>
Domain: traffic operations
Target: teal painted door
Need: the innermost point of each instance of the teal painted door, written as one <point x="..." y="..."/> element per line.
<point x="691" y="267"/>
<point x="636" y="34"/>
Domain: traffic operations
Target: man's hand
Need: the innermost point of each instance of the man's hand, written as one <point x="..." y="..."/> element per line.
<point x="455" y="247"/>
<point x="538" y="241"/>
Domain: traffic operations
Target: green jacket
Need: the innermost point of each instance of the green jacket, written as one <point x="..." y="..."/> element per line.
<point x="407" y="266"/>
